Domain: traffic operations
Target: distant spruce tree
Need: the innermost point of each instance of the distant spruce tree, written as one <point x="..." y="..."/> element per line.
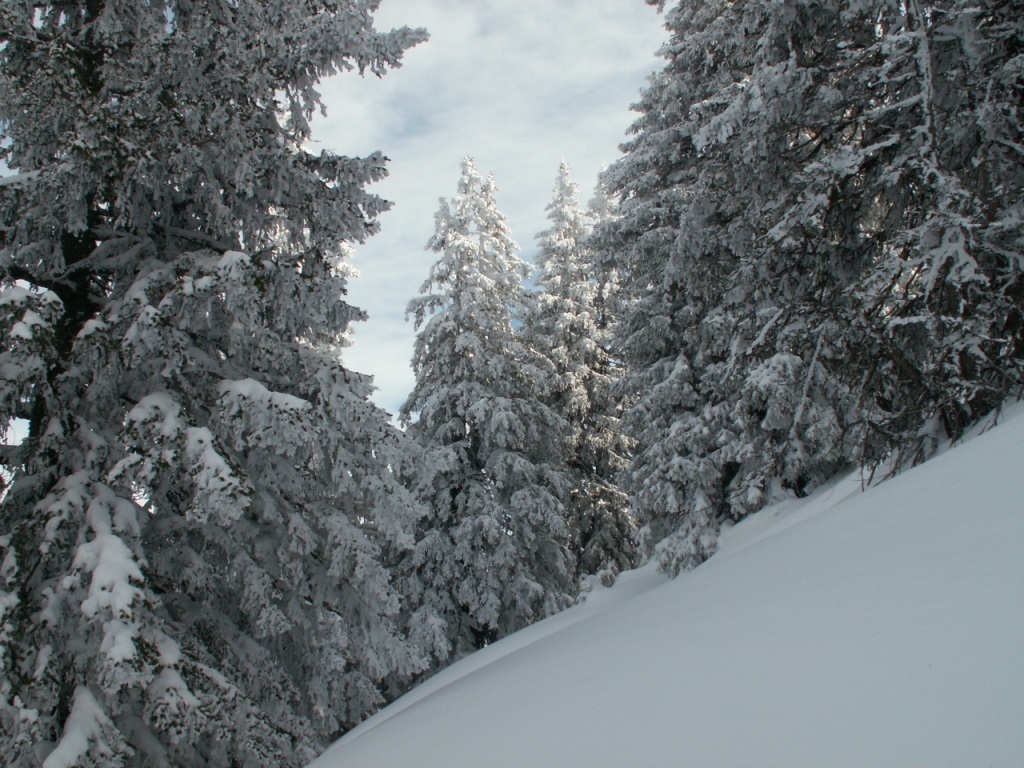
<point x="193" y="536"/>
<point x="493" y="555"/>
<point x="821" y="273"/>
<point x="569" y="321"/>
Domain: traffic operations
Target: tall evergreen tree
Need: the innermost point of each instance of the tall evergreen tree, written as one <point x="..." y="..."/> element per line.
<point x="815" y="270"/>
<point x="193" y="538"/>
<point x="492" y="557"/>
<point x="944" y="301"/>
<point x="675" y="274"/>
<point x="569" y="324"/>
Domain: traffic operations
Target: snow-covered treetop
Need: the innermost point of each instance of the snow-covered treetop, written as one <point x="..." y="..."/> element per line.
<point x="563" y="271"/>
<point x="478" y="254"/>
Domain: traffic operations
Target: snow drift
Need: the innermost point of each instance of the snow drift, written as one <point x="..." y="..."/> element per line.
<point x="883" y="628"/>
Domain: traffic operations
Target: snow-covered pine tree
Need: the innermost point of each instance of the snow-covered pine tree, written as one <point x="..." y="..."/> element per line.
<point x="492" y="557"/>
<point x="568" y="322"/>
<point x="671" y="337"/>
<point x="191" y="544"/>
<point x="943" y="303"/>
<point x="889" y="221"/>
<point x="811" y="286"/>
<point x="766" y="327"/>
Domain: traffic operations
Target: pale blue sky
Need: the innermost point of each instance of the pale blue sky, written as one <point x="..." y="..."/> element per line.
<point x="519" y="85"/>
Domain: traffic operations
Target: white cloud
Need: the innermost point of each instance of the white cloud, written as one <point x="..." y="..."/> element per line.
<point x="519" y="85"/>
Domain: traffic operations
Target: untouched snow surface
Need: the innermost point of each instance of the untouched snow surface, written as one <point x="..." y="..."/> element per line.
<point x="883" y="628"/>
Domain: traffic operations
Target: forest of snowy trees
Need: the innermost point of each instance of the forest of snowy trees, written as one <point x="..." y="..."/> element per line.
<point x="819" y="235"/>
<point x="216" y="550"/>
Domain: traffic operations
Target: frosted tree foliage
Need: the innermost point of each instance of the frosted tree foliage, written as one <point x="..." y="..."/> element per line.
<point x="194" y="538"/>
<point x="492" y="557"/>
<point x="609" y="300"/>
<point x="823" y="269"/>
<point x="568" y="323"/>
<point x="943" y="305"/>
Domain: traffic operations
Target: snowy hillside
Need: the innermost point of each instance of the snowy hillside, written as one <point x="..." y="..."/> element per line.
<point x="883" y="628"/>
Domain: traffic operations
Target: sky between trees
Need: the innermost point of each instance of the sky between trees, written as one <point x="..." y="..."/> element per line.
<point x="517" y="85"/>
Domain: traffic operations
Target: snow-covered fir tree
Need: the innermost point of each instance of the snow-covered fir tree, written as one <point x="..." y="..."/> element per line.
<point x="814" y="257"/>
<point x="675" y="276"/>
<point x="193" y="539"/>
<point x="941" y="163"/>
<point x="568" y="322"/>
<point x="493" y="555"/>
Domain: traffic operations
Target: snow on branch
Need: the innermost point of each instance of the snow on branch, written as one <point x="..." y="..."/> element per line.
<point x="87" y="725"/>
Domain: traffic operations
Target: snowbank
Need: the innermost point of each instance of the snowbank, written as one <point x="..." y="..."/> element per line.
<point x="882" y="628"/>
